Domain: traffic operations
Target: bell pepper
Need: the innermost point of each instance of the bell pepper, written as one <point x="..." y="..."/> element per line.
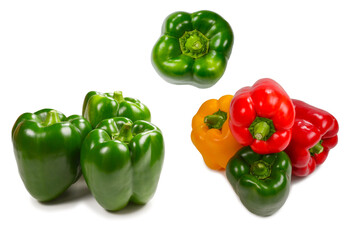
<point x="262" y="182"/>
<point x="211" y="134"/>
<point x="193" y="48"/>
<point x="262" y="117"/>
<point x="314" y="134"/>
<point x="121" y="162"/>
<point x="47" y="150"/>
<point x="99" y="106"/>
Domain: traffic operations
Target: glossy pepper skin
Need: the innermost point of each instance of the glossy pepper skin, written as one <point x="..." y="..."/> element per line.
<point x="262" y="182"/>
<point x="262" y="117"/>
<point x="121" y="162"/>
<point x="211" y="134"/>
<point x="47" y="149"/>
<point x="314" y="133"/>
<point x="193" y="48"/>
<point x="99" y="106"/>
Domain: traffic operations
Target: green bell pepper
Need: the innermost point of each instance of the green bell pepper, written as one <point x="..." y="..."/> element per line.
<point x="262" y="182"/>
<point x="47" y="149"/>
<point x="193" y="48"/>
<point x="99" y="106"/>
<point x="121" y="162"/>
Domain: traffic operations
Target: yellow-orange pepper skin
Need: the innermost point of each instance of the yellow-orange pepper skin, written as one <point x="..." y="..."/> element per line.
<point x="217" y="146"/>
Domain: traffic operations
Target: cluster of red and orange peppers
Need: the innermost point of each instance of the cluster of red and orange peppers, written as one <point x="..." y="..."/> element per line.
<point x="260" y="122"/>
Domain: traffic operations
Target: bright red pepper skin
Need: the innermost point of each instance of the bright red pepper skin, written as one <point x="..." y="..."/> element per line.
<point x="267" y="100"/>
<point x="312" y="126"/>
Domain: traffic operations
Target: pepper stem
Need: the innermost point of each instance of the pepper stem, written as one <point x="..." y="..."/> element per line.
<point x="216" y="120"/>
<point x="52" y="118"/>
<point x="261" y="130"/>
<point x="194" y="44"/>
<point x="317" y="148"/>
<point x="260" y="169"/>
<point x="125" y="134"/>
<point x="117" y="95"/>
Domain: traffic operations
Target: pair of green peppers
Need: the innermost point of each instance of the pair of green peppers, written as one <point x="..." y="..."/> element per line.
<point x="121" y="159"/>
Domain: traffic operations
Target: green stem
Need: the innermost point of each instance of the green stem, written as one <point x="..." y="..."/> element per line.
<point x="125" y="134"/>
<point x="117" y="95"/>
<point x="194" y="44"/>
<point x="260" y="169"/>
<point x="317" y="148"/>
<point x="216" y="120"/>
<point x="261" y="130"/>
<point x="52" y="118"/>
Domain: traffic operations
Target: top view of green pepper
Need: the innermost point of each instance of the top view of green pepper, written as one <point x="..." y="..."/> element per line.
<point x="99" y="106"/>
<point x="193" y="48"/>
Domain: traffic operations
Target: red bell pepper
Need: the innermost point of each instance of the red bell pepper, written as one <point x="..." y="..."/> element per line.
<point x="262" y="117"/>
<point x="314" y="133"/>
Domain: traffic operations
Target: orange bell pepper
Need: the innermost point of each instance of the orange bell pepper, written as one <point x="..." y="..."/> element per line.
<point x="211" y="134"/>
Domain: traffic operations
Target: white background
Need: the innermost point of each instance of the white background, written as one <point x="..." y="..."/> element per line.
<point x="53" y="52"/>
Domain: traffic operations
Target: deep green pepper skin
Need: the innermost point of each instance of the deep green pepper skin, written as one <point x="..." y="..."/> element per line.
<point x="121" y="162"/>
<point x="201" y="67"/>
<point x="99" y="106"/>
<point x="47" y="149"/>
<point x="262" y="182"/>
